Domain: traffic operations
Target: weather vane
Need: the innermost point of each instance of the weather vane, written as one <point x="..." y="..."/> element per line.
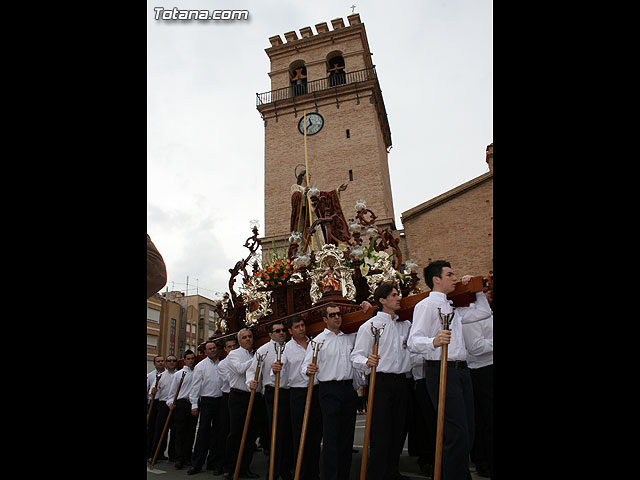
<point x="352" y="8"/>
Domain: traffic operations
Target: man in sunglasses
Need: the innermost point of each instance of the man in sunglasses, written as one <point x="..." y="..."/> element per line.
<point x="337" y="393"/>
<point x="161" y="398"/>
<point x="283" y="460"/>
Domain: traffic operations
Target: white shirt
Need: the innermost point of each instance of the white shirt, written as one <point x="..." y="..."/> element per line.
<point x="223" y="369"/>
<point x="238" y="361"/>
<point x="265" y="378"/>
<point x="426" y="325"/>
<point x="206" y="381"/>
<point x="478" y="340"/>
<point x="151" y="381"/>
<point x="184" y="389"/>
<point x="164" y="385"/>
<point x="292" y="359"/>
<point x="334" y="362"/>
<point x="392" y="347"/>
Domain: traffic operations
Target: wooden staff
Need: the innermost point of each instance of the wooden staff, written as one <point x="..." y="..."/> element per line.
<point x="437" y="469"/>
<point x="307" y="407"/>
<point x="166" y="424"/>
<point x="153" y="396"/>
<point x="247" y="419"/>
<point x="376" y="332"/>
<point x="274" y="424"/>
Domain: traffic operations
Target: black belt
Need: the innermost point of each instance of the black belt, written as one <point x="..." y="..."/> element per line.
<point x="237" y="390"/>
<point x="271" y="387"/>
<point x="209" y="398"/>
<point x="450" y="363"/>
<point x="339" y="381"/>
<point x="388" y="374"/>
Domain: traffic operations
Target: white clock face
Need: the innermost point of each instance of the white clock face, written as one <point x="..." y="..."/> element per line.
<point x="314" y="123"/>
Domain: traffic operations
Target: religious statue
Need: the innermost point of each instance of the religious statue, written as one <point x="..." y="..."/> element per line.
<point x="317" y="216"/>
<point x="331" y="281"/>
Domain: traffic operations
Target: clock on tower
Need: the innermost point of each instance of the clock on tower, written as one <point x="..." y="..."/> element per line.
<point x="329" y="76"/>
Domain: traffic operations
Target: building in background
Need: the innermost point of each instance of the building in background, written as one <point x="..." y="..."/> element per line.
<point x="456" y="226"/>
<point x="176" y="323"/>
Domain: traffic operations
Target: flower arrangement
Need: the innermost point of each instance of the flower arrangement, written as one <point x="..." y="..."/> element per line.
<point x="276" y="273"/>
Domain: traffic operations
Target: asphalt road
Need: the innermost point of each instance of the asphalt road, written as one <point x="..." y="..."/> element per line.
<point x="163" y="470"/>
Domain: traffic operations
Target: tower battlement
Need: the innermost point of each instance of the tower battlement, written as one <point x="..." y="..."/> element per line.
<point x="336" y="23"/>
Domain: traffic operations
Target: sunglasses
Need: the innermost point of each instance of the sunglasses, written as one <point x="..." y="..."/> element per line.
<point x="334" y="314"/>
<point x="279" y="330"/>
<point x="170" y="360"/>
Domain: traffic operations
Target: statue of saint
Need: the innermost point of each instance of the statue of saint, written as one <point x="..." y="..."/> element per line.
<point x="320" y="212"/>
<point x="331" y="281"/>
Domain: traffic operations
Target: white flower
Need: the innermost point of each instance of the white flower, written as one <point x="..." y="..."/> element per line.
<point x="360" y="205"/>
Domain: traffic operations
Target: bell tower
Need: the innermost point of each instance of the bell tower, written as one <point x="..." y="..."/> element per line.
<point x="329" y="76"/>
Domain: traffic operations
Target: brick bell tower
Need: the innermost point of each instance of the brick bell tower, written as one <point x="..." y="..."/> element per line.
<point x="330" y="76"/>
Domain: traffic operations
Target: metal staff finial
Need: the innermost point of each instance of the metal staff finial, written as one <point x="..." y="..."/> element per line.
<point x="260" y="358"/>
<point x="279" y="347"/>
<point x="316" y="346"/>
<point x="447" y="318"/>
<point x="377" y="333"/>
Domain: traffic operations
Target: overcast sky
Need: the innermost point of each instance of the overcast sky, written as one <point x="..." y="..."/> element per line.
<point x="205" y="138"/>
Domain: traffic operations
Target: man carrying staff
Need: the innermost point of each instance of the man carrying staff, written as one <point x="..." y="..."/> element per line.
<point x="238" y="362"/>
<point x="153" y="377"/>
<point x="298" y="383"/>
<point x="337" y="393"/>
<point x="162" y="397"/>
<point x="206" y="398"/>
<point x="426" y="337"/>
<point x="185" y="421"/>
<point x="391" y="395"/>
<point x="228" y="465"/>
<point x="283" y="460"/>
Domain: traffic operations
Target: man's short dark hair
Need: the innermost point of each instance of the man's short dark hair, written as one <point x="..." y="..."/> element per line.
<point x="294" y="319"/>
<point x="324" y="309"/>
<point x="154" y="358"/>
<point x="434" y="269"/>
<point x="188" y="352"/>
<point x="270" y="326"/>
<point x="383" y="291"/>
<point x="230" y="339"/>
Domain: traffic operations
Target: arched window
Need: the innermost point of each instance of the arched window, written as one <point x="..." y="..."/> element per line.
<point x="298" y="77"/>
<point x="335" y="69"/>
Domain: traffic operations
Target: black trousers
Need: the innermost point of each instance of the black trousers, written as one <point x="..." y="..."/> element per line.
<point x="390" y="402"/>
<point x="151" y="428"/>
<point x="238" y="405"/>
<point x="458" y="419"/>
<point x="185" y="430"/>
<point x="208" y="444"/>
<point x="428" y="414"/>
<point x="161" y="419"/>
<point x="283" y="464"/>
<point x="310" y="468"/>
<point x="223" y="433"/>
<point x="338" y="406"/>
<point x="482" y="451"/>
